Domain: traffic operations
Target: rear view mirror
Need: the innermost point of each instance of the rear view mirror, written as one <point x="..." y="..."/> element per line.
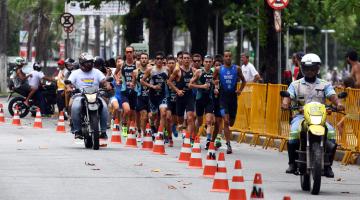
<point x="284" y="94"/>
<point x="342" y="95"/>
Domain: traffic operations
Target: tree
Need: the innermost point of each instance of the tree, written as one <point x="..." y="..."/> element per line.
<point x="3" y="27"/>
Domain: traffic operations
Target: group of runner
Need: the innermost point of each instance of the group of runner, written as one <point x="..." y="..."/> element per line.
<point x="175" y="93"/>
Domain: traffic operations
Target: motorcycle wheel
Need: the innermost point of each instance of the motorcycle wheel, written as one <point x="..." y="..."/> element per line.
<point x="94" y="123"/>
<point x="87" y="138"/>
<point x="19" y="101"/>
<point x="316" y="168"/>
<point x="305" y="182"/>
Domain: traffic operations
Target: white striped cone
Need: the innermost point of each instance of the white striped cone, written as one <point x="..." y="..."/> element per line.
<point x="237" y="191"/>
<point x="38" y="122"/>
<point x="257" y="191"/>
<point x="195" y="158"/>
<point x="16" y="118"/>
<point x="61" y="124"/>
<point x="115" y="135"/>
<point x="210" y="163"/>
<point x="221" y="183"/>
<point x="185" y="152"/>
<point x="159" y="147"/>
<point x="147" y="141"/>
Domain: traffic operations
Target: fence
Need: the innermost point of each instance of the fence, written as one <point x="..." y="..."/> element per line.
<point x="259" y="114"/>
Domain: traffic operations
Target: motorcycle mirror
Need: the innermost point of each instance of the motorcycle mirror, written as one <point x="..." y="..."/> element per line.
<point x="342" y="95"/>
<point x="109" y="79"/>
<point x="67" y="82"/>
<point x="284" y="94"/>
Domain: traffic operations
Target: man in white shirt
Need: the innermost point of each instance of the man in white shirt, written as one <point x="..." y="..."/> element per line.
<point x="248" y="69"/>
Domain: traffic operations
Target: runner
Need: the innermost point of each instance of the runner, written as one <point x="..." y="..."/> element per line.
<point x="179" y="59"/>
<point x="158" y="92"/>
<point x="142" y="105"/>
<point x="171" y="111"/>
<point x="185" y="99"/>
<point x="228" y="75"/>
<point x="218" y="118"/>
<point x="204" y="83"/>
<point x="128" y="95"/>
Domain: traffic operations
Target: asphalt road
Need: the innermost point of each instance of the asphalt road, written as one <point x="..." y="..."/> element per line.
<point x="42" y="164"/>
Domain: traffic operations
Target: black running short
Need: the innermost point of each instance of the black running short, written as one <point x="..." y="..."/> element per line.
<point x="228" y="104"/>
<point x="204" y="105"/>
<point x="129" y="96"/>
<point x="142" y="103"/>
<point x="186" y="102"/>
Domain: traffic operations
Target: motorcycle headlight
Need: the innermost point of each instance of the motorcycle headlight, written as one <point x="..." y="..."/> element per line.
<point x="91" y="98"/>
<point x="316" y="120"/>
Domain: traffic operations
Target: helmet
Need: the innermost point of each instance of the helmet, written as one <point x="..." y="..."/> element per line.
<point x="20" y="61"/>
<point x="69" y="61"/>
<point x="99" y="62"/>
<point x="310" y="65"/>
<point x="86" y="62"/>
<point x="37" y="66"/>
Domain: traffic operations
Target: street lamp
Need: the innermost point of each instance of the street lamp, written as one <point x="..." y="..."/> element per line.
<point x="304" y="28"/>
<point x="326" y="31"/>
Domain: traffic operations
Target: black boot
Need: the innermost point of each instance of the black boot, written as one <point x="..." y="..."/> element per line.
<point x="292" y="169"/>
<point x="331" y="148"/>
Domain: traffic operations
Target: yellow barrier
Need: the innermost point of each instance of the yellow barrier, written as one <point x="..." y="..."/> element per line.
<point x="257" y="113"/>
<point x="276" y="119"/>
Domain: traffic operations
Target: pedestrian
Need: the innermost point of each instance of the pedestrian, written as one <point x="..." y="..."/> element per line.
<point x="248" y="69"/>
<point x="60" y="98"/>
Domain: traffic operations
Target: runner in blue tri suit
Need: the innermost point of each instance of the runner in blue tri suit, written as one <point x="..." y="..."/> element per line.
<point x="227" y="76"/>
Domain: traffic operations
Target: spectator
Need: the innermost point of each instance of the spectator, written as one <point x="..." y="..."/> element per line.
<point x="248" y="69"/>
<point x="353" y="60"/>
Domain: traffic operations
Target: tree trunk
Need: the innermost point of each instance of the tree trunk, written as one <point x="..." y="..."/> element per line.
<point x="197" y="21"/>
<point x="134" y="24"/>
<point x="97" y="35"/>
<point x="86" y="35"/>
<point x="3" y="26"/>
<point x="238" y="47"/>
<point x="220" y="32"/>
<point x="42" y="43"/>
<point x="269" y="51"/>
<point x="156" y="35"/>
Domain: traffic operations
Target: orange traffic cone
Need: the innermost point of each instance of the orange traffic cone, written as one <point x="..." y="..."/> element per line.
<point x="195" y="158"/>
<point x="237" y="191"/>
<point x="210" y="163"/>
<point x="16" y="117"/>
<point x="159" y="147"/>
<point x="115" y="136"/>
<point x="38" y="122"/>
<point x="185" y="152"/>
<point x="147" y="142"/>
<point x="61" y="123"/>
<point x="131" y="138"/>
<point x="257" y="192"/>
<point x="2" y="117"/>
<point x="220" y="183"/>
<point x="287" y="198"/>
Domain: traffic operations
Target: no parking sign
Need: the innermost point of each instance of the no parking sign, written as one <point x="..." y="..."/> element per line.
<point x="278" y="4"/>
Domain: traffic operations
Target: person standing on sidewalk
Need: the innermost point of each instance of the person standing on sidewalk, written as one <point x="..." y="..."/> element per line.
<point x="248" y="69"/>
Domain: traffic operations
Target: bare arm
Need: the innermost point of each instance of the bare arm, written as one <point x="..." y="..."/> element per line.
<point x="172" y="77"/>
<point x="243" y="81"/>
<point x="334" y="100"/>
<point x="146" y="76"/>
<point x="192" y="83"/>
<point x="257" y="78"/>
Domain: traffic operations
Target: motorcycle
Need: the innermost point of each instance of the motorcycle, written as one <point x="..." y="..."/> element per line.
<point x="315" y="149"/>
<point x="48" y="90"/>
<point x="90" y="116"/>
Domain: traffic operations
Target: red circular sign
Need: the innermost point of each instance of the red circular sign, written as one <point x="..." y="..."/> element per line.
<point x="278" y="4"/>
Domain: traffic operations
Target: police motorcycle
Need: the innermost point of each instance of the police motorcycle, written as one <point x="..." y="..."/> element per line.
<point x="315" y="150"/>
<point x="19" y="90"/>
<point x="90" y="116"/>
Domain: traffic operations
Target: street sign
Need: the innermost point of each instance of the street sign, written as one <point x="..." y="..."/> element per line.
<point x="278" y="4"/>
<point x="106" y="8"/>
<point x="69" y="29"/>
<point x="277" y="20"/>
<point x="67" y="20"/>
<point x="140" y="48"/>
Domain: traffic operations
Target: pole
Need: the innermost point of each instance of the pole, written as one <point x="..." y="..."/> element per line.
<point x="216" y="32"/>
<point x="67" y="45"/>
<point x="287" y="48"/>
<point x="279" y="58"/>
<point x="242" y="39"/>
<point x="105" y="38"/>
<point x="326" y="52"/>
<point x="257" y="48"/>
<point x="304" y="39"/>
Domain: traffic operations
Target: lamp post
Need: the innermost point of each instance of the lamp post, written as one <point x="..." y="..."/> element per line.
<point x="304" y="28"/>
<point x="326" y="32"/>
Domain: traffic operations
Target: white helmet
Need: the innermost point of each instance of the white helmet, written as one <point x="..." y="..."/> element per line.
<point x="310" y="63"/>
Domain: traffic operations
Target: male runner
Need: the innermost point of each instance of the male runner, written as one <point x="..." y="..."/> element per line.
<point x="228" y="75"/>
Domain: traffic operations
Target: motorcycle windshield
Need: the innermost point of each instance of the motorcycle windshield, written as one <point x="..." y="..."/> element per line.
<point x="90" y="90"/>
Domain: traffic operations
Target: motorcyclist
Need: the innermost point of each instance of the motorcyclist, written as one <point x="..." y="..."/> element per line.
<point x="303" y="91"/>
<point x="20" y="80"/>
<point x="81" y="78"/>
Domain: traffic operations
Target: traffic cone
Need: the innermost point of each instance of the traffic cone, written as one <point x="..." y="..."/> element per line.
<point x="237" y="191"/>
<point x="287" y="198"/>
<point x="159" y="147"/>
<point x="61" y="123"/>
<point x="131" y="138"/>
<point x="147" y="142"/>
<point x="220" y="183"/>
<point x="195" y="158"/>
<point x="38" y="122"/>
<point x="16" y="117"/>
<point x="115" y="136"/>
<point x="210" y="163"/>
<point x="2" y="118"/>
<point x="257" y="192"/>
<point x="185" y="152"/>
